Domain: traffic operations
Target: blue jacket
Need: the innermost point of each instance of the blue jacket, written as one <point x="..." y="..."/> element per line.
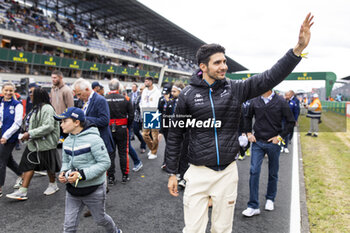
<point x="87" y="152"/>
<point x="98" y="114"/>
<point x="11" y="119"/>
<point x="294" y="108"/>
<point x="297" y="103"/>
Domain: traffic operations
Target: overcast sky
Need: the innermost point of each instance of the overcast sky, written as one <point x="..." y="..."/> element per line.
<point x="256" y="33"/>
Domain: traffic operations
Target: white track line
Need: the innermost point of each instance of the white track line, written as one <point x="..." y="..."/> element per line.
<point x="295" y="220"/>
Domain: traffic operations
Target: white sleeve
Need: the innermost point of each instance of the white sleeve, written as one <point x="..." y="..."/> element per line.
<point x="155" y="99"/>
<point x="16" y="124"/>
<point x="141" y="100"/>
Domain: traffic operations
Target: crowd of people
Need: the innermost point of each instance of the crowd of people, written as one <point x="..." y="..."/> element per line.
<point x="208" y="130"/>
<point x="87" y="115"/>
<point x="32" y="20"/>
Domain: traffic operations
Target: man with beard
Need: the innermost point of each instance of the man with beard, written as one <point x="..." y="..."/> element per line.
<point x="61" y="94"/>
<point x="149" y="101"/>
<point x="211" y="97"/>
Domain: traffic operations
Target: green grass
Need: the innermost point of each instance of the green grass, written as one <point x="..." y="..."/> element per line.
<point x="331" y="122"/>
<point x="326" y="162"/>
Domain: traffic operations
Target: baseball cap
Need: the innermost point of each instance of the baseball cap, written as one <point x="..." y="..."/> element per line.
<point x="166" y="90"/>
<point x="95" y="84"/>
<point x="72" y="112"/>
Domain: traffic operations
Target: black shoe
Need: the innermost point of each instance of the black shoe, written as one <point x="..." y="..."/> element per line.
<point x="125" y="179"/>
<point x="111" y="180"/>
<point x="308" y="134"/>
<point x="132" y="138"/>
<point x="315" y="135"/>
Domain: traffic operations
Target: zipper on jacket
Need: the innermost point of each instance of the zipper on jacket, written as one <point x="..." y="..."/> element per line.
<point x="216" y="135"/>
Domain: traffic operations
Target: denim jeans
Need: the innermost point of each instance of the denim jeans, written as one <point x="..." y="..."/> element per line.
<point x="286" y="140"/>
<point x="137" y="127"/>
<point x="133" y="154"/>
<point x="96" y="204"/>
<point x="259" y="149"/>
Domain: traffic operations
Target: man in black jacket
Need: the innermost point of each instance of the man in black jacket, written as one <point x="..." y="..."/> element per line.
<point x="269" y="110"/>
<point x="209" y="108"/>
<point x="122" y="117"/>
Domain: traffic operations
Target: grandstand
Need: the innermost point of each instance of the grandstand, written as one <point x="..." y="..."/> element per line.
<point x="94" y="39"/>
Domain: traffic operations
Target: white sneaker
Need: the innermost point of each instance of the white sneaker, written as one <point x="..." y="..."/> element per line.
<point x="282" y="149"/>
<point x="51" y="189"/>
<point x="18" y="183"/>
<point x="149" y="153"/>
<point x="249" y="212"/>
<point x="18" y="195"/>
<point x="286" y="150"/>
<point x="152" y="156"/>
<point x="269" y="205"/>
<point x="138" y="167"/>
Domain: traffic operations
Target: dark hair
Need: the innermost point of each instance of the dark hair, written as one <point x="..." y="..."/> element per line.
<point x="82" y="123"/>
<point x="40" y="97"/>
<point x="58" y="73"/>
<point x="205" y="51"/>
<point x="149" y="78"/>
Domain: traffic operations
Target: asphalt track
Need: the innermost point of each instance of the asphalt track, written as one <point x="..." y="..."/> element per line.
<point x="143" y="204"/>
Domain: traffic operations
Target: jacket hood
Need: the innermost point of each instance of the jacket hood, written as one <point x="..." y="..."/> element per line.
<point x="197" y="80"/>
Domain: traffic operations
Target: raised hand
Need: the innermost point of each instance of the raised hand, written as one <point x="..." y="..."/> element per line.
<point x="304" y="35"/>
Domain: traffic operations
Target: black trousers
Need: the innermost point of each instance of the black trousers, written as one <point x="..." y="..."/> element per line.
<point x="6" y="160"/>
<point x="165" y="134"/>
<point x="120" y="137"/>
<point x="183" y="163"/>
<point x="242" y="150"/>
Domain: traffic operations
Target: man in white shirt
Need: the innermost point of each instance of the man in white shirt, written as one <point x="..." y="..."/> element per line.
<point x="149" y="101"/>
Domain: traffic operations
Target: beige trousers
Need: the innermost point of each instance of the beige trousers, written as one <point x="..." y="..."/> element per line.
<point x="152" y="143"/>
<point x="221" y="186"/>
